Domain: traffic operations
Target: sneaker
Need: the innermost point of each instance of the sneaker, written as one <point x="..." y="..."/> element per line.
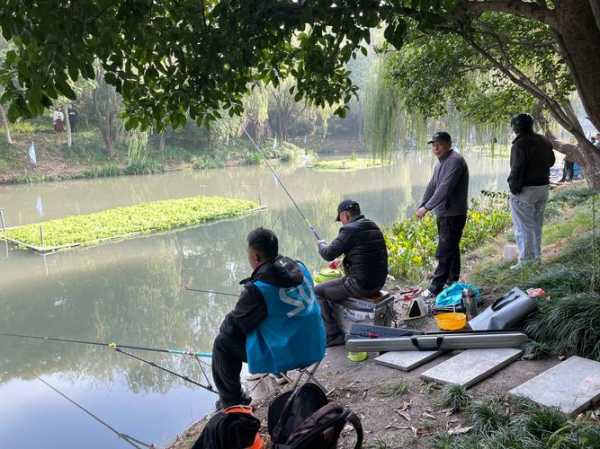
<point x="244" y="400"/>
<point x="336" y="340"/>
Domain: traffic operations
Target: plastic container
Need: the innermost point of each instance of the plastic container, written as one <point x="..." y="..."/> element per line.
<point x="374" y="312"/>
<point x="510" y="252"/>
<point x="358" y="356"/>
<point x="452" y="321"/>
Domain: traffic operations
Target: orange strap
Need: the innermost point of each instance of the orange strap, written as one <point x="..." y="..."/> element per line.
<point x="258" y="441"/>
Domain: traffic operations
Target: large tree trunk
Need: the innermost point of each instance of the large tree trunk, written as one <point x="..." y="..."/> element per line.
<point x="108" y="131"/>
<point x="578" y="33"/>
<point x="6" y="128"/>
<point x="68" y="126"/>
<point x="162" y="141"/>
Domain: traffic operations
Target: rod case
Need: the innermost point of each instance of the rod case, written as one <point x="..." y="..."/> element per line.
<point x="369" y="331"/>
<point x="438" y="341"/>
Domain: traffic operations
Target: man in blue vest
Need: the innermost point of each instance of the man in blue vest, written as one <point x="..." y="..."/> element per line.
<point x="275" y="326"/>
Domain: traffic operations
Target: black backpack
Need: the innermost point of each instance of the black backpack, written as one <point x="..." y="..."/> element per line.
<point x="304" y="420"/>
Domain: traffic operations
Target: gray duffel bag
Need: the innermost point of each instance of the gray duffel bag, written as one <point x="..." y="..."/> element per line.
<point x="507" y="313"/>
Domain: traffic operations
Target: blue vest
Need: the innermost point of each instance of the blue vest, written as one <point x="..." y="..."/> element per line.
<point x="292" y="336"/>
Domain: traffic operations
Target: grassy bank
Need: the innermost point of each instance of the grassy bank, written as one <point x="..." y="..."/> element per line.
<point x="412" y="243"/>
<point x="144" y="218"/>
<point x="568" y="320"/>
<point x="87" y="158"/>
<point x="516" y="423"/>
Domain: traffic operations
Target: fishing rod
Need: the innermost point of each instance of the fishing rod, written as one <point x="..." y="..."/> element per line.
<point x="310" y="226"/>
<point x="198" y="290"/>
<point x="134" y="442"/>
<point x="207" y="387"/>
<point x="119" y="348"/>
<point x="110" y="345"/>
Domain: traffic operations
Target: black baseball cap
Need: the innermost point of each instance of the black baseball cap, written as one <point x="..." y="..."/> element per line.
<point x="441" y="136"/>
<point x="347" y="205"/>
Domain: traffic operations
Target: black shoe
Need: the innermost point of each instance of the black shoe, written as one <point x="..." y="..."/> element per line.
<point x="244" y="400"/>
<point x="336" y="340"/>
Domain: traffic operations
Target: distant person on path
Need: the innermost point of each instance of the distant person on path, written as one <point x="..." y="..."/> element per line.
<point x="568" y="169"/>
<point x="531" y="157"/>
<point x="365" y="264"/>
<point x="58" y="119"/>
<point x="73" y="118"/>
<point x="446" y="196"/>
<point x="275" y="326"/>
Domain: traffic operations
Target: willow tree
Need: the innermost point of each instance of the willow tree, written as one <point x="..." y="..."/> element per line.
<point x="171" y="60"/>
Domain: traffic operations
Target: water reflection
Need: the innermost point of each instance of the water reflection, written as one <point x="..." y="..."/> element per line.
<point x="132" y="292"/>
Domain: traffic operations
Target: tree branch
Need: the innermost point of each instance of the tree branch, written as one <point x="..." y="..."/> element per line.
<point x="521" y="80"/>
<point x="534" y="11"/>
<point x="595" y="5"/>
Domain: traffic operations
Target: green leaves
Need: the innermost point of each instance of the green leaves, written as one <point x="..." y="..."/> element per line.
<point x="412" y="243"/>
<point x="396" y="31"/>
<point x="169" y="60"/>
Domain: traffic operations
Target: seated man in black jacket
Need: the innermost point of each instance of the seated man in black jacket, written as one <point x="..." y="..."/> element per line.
<point x="365" y="264"/>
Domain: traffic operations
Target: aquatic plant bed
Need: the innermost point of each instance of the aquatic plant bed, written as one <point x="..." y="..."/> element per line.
<point x="126" y="222"/>
<point x="348" y="164"/>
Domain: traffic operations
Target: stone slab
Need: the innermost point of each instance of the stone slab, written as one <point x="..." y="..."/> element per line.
<point x="572" y="386"/>
<point x="406" y="360"/>
<point x="471" y="366"/>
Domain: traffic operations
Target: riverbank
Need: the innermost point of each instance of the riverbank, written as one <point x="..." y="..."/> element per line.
<point x="398" y="409"/>
<point x="87" y="158"/>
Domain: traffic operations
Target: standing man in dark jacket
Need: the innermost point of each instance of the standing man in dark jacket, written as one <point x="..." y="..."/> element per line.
<point x="275" y="326"/>
<point x="531" y="157"/>
<point x="365" y="264"/>
<point x="446" y="196"/>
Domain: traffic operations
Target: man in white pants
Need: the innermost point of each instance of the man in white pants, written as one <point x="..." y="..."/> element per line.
<point x="531" y="157"/>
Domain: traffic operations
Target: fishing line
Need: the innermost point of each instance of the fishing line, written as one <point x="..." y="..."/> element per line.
<point x="110" y="345"/>
<point x="134" y="442"/>
<point x="310" y="226"/>
<point x="199" y="290"/>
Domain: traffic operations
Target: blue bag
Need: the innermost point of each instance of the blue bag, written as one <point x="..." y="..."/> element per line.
<point x="452" y="296"/>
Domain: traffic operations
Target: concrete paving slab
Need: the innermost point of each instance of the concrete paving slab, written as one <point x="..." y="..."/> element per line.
<point x="471" y="366"/>
<point x="572" y="386"/>
<point x="406" y="360"/>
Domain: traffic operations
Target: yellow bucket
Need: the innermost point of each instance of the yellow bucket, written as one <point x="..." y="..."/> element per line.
<point x="452" y="321"/>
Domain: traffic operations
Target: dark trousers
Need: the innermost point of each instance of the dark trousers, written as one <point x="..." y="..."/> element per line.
<point x="337" y="291"/>
<point x="450" y="230"/>
<point x="229" y="352"/>
<point x="568" y="170"/>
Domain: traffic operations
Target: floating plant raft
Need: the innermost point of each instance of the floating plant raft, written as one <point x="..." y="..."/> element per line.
<point x="349" y="164"/>
<point x="126" y="222"/>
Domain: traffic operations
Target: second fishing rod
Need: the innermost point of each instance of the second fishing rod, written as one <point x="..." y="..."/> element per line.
<point x="280" y="182"/>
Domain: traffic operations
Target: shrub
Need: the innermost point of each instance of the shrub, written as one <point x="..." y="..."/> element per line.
<point x="412" y="243"/>
<point x="569" y="325"/>
<point x="455" y="397"/>
<point x="144" y="167"/>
